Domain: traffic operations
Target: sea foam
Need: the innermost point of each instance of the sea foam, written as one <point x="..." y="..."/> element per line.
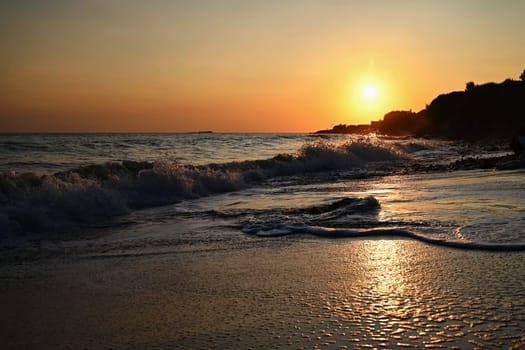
<point x="283" y="229"/>
<point x="90" y="194"/>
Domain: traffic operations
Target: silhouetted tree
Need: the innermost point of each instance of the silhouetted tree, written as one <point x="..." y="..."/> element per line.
<point x="522" y="76"/>
<point x="470" y="86"/>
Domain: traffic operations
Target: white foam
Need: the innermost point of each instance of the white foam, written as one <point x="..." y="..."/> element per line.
<point x="101" y="191"/>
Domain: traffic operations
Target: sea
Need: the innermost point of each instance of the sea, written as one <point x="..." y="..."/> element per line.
<point x="168" y="192"/>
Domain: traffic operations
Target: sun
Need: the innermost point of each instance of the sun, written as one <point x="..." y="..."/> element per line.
<point x="364" y="98"/>
<point x="369" y="93"/>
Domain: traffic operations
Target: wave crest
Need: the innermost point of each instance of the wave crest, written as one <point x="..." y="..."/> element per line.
<point x="89" y="194"/>
<point x="282" y="229"/>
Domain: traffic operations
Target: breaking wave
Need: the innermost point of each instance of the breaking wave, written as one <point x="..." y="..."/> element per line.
<point x="98" y="192"/>
<point x="319" y="221"/>
<point x="273" y="230"/>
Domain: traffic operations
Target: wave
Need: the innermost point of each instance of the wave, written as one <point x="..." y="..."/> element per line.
<point x="347" y="205"/>
<point x="274" y="230"/>
<point x="320" y="221"/>
<point x="98" y="192"/>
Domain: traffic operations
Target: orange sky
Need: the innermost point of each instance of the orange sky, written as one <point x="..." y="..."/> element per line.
<point x="243" y="66"/>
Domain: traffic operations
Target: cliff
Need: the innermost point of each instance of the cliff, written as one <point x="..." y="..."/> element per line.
<point x="484" y="111"/>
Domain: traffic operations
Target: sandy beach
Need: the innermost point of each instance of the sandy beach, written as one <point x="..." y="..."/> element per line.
<point x="273" y="293"/>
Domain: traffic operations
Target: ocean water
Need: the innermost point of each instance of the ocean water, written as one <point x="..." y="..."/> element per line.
<point x="172" y="192"/>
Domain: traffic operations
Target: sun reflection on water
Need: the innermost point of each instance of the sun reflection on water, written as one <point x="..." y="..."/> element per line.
<point x="386" y="273"/>
<point x="391" y="295"/>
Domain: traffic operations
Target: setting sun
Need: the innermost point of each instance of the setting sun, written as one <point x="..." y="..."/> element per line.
<point x="366" y="95"/>
<point x="369" y="93"/>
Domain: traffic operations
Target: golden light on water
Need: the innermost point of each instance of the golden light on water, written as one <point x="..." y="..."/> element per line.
<point x="383" y="258"/>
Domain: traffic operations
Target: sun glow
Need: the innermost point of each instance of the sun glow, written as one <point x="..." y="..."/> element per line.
<point x="366" y="97"/>
<point x="369" y="93"/>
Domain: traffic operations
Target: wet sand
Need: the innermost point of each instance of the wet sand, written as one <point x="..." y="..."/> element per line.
<point x="274" y="293"/>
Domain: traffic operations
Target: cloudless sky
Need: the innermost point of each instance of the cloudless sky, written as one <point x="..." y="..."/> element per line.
<point x="243" y="66"/>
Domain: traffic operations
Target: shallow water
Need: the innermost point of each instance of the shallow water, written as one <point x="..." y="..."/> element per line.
<point x="343" y="185"/>
<point x="376" y="294"/>
<point x="385" y="207"/>
<point x="278" y="292"/>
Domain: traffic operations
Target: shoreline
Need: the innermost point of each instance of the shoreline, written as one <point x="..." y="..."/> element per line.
<point x="279" y="293"/>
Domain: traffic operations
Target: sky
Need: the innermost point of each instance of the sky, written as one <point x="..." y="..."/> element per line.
<point x="241" y="65"/>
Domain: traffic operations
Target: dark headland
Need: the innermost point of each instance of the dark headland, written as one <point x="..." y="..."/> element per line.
<point x="481" y="112"/>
